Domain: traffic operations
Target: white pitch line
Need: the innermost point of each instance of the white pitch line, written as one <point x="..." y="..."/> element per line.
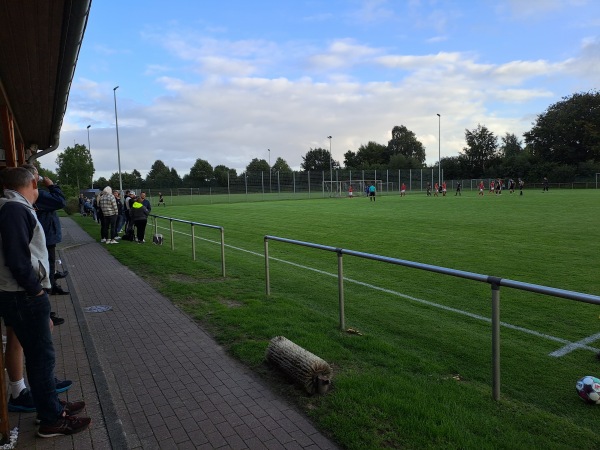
<point x="567" y="348"/>
<point x="574" y="345"/>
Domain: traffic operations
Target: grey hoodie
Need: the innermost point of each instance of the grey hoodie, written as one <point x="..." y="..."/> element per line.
<point x="24" y="262"/>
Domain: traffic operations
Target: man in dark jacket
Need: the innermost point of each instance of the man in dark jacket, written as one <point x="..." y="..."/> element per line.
<point x="24" y="302"/>
<point x="48" y="202"/>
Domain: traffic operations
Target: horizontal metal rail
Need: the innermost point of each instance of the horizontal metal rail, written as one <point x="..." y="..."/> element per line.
<point x="193" y="225"/>
<point x="494" y="282"/>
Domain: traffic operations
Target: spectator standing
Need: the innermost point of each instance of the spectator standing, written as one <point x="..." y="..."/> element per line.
<point x="96" y="205"/>
<point x="120" y="213"/>
<point x="139" y="217"/>
<point x="127" y="202"/>
<point x="108" y="205"/>
<point x="146" y="202"/>
<point x="81" y="205"/>
<point x="48" y="202"/>
<point x="24" y="301"/>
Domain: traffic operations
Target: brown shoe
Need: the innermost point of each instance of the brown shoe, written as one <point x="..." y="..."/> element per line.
<point x="64" y="426"/>
<point x="70" y="408"/>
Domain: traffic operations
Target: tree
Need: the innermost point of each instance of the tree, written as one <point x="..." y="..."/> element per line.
<point x="569" y="131"/>
<point x="370" y="156"/>
<point x="281" y="166"/>
<point x="75" y="166"/>
<point x="131" y="180"/>
<point x="174" y="179"/>
<point x="224" y="174"/>
<point x="101" y="183"/>
<point x="481" y="148"/>
<point x="257" y="166"/>
<point x="511" y="146"/>
<point x="159" y="175"/>
<point x="200" y="174"/>
<point x="405" y="142"/>
<point x="318" y="159"/>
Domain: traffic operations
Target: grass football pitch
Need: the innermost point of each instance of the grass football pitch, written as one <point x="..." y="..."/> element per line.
<point x="417" y="373"/>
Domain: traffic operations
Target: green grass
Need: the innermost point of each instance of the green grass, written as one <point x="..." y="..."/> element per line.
<point x="419" y="376"/>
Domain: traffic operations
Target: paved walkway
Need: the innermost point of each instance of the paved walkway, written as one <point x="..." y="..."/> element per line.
<point x="151" y="377"/>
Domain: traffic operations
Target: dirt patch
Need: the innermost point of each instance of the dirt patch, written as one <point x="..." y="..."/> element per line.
<point x="230" y="303"/>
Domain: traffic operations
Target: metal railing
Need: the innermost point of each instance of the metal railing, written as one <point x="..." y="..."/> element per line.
<point x="494" y="282"/>
<point x="193" y="225"/>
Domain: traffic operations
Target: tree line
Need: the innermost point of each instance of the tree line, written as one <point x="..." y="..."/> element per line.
<point x="563" y="145"/>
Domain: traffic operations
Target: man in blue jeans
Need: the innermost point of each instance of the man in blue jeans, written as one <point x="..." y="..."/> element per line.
<point x="24" y="303"/>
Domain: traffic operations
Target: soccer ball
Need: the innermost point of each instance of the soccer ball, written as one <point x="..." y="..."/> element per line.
<point x="588" y="388"/>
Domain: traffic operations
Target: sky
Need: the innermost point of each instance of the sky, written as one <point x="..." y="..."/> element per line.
<point x="231" y="81"/>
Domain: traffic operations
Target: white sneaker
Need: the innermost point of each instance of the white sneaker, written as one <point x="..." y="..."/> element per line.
<point x="103" y="240"/>
<point x="117" y="238"/>
<point x="114" y="242"/>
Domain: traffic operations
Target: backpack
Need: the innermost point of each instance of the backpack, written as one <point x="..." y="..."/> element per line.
<point x="129" y="235"/>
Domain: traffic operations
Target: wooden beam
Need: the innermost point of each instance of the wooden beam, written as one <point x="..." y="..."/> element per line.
<point x="8" y="134"/>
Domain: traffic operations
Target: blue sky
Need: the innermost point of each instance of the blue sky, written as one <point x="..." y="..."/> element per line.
<point x="225" y="81"/>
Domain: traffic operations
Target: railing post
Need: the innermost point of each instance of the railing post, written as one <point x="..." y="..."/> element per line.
<point x="172" y="234"/>
<point x="193" y="243"/>
<point x="268" y="287"/>
<point x="341" y="288"/>
<point x="496" y="340"/>
<point x="223" y="252"/>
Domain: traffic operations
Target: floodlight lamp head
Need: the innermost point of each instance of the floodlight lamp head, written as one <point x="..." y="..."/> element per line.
<point x="114" y="89"/>
<point x="328" y="137"/>
<point x="88" y="127"/>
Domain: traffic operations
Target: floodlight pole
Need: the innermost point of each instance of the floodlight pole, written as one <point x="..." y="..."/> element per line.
<point x="330" y="170"/>
<point x="439" y="150"/>
<point x="90" y="150"/>
<point x="118" y="148"/>
<point x="269" y="150"/>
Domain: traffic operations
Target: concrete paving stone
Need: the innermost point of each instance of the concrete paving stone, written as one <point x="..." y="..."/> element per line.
<point x="301" y="438"/>
<point x="235" y="442"/>
<point x="207" y="426"/>
<point x="216" y="418"/>
<point x="190" y="424"/>
<point x="274" y="444"/>
<point x="255" y="443"/>
<point x="269" y="423"/>
<point x="282" y="436"/>
<point x="198" y="436"/>
<point x="216" y="440"/>
<point x="179" y="434"/>
<point x="262" y="433"/>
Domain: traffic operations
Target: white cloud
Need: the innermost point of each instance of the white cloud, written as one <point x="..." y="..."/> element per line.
<point x="230" y="101"/>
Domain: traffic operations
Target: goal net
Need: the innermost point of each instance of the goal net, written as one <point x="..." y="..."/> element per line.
<point x="342" y="188"/>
